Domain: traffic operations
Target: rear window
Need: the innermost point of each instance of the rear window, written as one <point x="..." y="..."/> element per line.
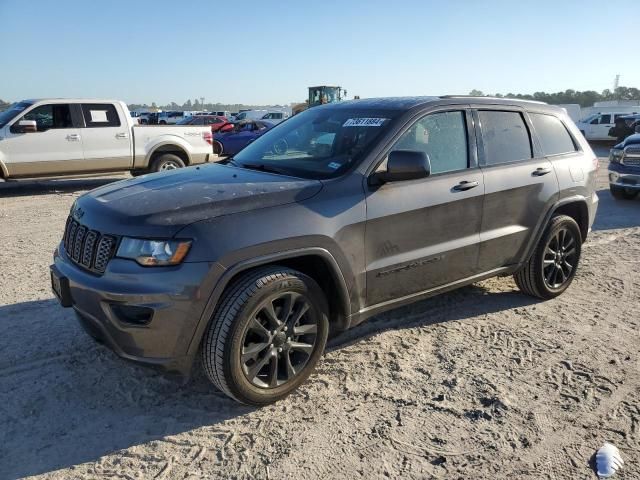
<point x="553" y="135"/>
<point x="100" y="115"/>
<point x="505" y="137"/>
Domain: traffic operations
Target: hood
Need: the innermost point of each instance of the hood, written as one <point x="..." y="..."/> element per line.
<point x="160" y="204"/>
<point x="630" y="140"/>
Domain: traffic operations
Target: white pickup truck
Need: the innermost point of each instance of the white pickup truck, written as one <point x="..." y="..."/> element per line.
<point x="52" y="137"/>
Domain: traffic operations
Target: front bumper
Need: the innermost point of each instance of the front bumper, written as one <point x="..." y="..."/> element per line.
<point x="624" y="176"/>
<point x="145" y="314"/>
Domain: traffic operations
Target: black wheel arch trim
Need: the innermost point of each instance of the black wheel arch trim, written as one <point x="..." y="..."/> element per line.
<point x="248" y="264"/>
<point x="549" y="215"/>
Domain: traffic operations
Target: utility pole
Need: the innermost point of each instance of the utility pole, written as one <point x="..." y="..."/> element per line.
<point x="616" y="83"/>
<point x="202" y="103"/>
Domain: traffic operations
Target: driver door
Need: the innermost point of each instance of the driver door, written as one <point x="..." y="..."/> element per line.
<point x="55" y="148"/>
<point x="425" y="233"/>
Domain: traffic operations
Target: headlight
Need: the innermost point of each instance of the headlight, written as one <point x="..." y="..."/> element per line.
<point x="154" y="252"/>
<point x="615" y="155"/>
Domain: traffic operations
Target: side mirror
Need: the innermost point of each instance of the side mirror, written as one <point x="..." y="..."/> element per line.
<point x="404" y="165"/>
<point x="25" y="126"/>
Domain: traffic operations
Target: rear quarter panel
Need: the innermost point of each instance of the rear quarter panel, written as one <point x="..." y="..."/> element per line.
<point x="148" y="138"/>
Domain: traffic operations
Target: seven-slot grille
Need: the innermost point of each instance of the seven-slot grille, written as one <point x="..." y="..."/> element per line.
<point x="634" y="160"/>
<point x="88" y="248"/>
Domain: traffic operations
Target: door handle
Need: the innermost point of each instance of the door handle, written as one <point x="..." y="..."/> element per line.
<point x="465" y="185"/>
<point x="538" y="172"/>
<point x="73" y="137"/>
<point x="122" y="135"/>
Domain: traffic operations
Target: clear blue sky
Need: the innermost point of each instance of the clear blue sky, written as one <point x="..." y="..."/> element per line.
<point x="262" y="52"/>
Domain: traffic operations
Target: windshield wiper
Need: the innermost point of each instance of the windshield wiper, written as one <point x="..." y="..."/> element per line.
<point x="260" y="167"/>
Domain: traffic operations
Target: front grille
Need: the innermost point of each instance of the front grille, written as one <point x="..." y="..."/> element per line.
<point x="632" y="161"/>
<point x="88" y="248"/>
<point x="632" y="156"/>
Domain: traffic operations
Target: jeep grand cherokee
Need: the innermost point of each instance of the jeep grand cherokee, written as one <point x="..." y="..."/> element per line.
<point x="341" y="212"/>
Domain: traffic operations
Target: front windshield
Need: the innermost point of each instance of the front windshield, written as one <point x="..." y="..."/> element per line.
<point x="589" y="118"/>
<point x="318" y="143"/>
<point x="11" y="112"/>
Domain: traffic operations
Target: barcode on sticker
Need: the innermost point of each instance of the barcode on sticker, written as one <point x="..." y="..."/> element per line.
<point x="364" y="122"/>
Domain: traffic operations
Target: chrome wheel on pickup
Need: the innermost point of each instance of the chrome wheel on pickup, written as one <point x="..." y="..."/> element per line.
<point x="167" y="161"/>
<point x="266" y="336"/>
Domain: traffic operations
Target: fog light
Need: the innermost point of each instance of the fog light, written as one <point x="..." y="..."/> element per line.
<point x="133" y="314"/>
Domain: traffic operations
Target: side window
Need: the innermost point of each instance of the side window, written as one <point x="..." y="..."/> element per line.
<point x="554" y="137"/>
<point x="100" y="115"/>
<point x="443" y="137"/>
<point x="52" y="116"/>
<point x="606" y="119"/>
<point x="505" y="137"/>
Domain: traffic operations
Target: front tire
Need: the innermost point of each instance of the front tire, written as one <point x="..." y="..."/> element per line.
<point x="553" y="265"/>
<point x="266" y="336"/>
<point x="621" y="193"/>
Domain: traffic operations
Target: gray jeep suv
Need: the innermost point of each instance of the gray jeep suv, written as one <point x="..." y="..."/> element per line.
<point x="337" y="214"/>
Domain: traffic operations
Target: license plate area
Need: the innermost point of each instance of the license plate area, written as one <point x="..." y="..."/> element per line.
<point x="60" y="287"/>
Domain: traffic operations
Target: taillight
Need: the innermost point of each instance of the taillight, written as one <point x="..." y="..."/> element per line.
<point x="208" y="137"/>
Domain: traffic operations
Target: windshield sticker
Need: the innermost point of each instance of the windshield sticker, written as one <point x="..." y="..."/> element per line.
<point x="334" y="165"/>
<point x="364" y="122"/>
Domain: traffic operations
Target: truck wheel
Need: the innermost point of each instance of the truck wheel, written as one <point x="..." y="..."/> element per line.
<point x="266" y="336"/>
<point x="167" y="161"/>
<point x="622" y="193"/>
<point x="553" y="265"/>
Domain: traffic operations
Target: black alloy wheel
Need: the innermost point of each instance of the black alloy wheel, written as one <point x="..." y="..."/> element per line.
<point x="279" y="340"/>
<point x="559" y="259"/>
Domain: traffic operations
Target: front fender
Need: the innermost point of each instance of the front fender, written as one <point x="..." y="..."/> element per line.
<point x="250" y="263"/>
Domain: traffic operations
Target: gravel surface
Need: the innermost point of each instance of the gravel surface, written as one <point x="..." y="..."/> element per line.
<point x="483" y="382"/>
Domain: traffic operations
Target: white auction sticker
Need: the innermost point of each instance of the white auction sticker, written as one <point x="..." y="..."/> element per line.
<point x="364" y="122"/>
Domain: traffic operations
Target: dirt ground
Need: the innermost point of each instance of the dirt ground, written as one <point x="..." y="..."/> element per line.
<point x="482" y="382"/>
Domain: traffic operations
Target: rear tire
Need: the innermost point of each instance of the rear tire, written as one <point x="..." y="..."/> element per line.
<point x="553" y="265"/>
<point x="621" y="193"/>
<point x="218" y="148"/>
<point x="266" y="336"/>
<point x="167" y="161"/>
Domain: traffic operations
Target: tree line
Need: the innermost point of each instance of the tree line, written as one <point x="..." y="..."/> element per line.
<point x="585" y="99"/>
<point x="197" y="105"/>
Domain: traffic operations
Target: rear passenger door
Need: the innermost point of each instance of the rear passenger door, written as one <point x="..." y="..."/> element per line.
<point x="520" y="186"/>
<point x="105" y="138"/>
<point x="599" y="127"/>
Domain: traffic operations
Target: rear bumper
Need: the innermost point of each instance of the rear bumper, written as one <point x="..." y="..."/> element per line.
<point x="148" y="315"/>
